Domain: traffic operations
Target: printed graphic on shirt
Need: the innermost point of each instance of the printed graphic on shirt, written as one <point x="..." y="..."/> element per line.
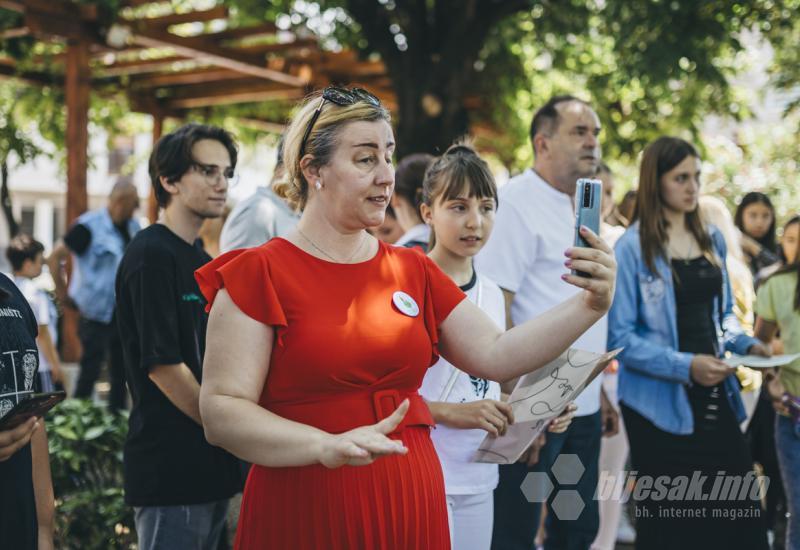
<point x="10" y="312"/>
<point x="480" y="385"/>
<point x="17" y="371"/>
<point x="192" y="297"/>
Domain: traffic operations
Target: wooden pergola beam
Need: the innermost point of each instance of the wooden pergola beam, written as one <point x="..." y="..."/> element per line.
<point x="197" y="76"/>
<point x="217" y="12"/>
<point x="242" y="32"/>
<point x="14" y="33"/>
<point x="77" y="88"/>
<point x="141" y="66"/>
<point x="279" y="47"/>
<point x="226" y="93"/>
<point x="12" y="5"/>
<point x="197" y="47"/>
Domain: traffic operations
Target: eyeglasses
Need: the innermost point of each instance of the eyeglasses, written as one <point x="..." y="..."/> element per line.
<point x="212" y="173"/>
<point x="341" y="97"/>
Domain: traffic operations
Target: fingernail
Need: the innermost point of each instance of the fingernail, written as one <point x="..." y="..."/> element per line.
<point x="567" y="252"/>
<point x="584" y="229"/>
<point x="568" y="263"/>
<point x="564" y="277"/>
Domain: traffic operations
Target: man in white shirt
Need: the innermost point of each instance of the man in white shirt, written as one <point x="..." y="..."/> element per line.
<point x="260" y="217"/>
<point x="534" y="225"/>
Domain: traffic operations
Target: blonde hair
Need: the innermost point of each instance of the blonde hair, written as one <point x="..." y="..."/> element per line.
<point x="713" y="211"/>
<point x="321" y="143"/>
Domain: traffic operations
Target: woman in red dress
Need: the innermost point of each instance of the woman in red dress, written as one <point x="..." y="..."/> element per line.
<point x="317" y="344"/>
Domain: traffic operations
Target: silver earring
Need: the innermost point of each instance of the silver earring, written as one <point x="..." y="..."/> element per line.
<point x="318" y="185"/>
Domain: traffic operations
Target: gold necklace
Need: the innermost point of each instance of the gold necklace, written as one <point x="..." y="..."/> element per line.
<point x="347" y="261"/>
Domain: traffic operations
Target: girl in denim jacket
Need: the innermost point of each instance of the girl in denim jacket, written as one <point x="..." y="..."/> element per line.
<point x="673" y="315"/>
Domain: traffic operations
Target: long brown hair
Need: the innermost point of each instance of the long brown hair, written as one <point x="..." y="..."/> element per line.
<point x="792" y="267"/>
<point x="660" y="157"/>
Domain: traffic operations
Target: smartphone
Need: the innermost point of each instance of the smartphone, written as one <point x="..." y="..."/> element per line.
<point x="588" y="194"/>
<point x="36" y="405"/>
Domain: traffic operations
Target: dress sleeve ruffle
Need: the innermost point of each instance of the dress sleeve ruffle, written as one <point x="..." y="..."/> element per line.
<point x="442" y="295"/>
<point x="246" y="276"/>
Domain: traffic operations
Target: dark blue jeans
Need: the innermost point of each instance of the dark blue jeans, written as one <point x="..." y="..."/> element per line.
<point x="191" y="527"/>
<point x="787" y="440"/>
<point x="516" y="520"/>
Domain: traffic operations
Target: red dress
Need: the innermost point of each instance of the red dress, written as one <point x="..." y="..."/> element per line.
<point x="345" y="355"/>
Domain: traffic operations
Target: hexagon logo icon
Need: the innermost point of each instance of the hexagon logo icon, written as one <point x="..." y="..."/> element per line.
<point x="536" y="487"/>
<point x="567" y="505"/>
<point x="568" y="469"/>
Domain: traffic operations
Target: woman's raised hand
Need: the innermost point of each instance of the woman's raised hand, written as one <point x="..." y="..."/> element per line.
<point x="364" y="445"/>
<point x="598" y="261"/>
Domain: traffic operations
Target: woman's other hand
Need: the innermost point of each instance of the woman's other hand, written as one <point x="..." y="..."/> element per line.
<point x="364" y="445"/>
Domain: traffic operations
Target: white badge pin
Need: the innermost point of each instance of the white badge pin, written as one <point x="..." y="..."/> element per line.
<point x="405" y="303"/>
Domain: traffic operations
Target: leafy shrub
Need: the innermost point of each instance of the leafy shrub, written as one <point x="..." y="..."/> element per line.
<point x="86" y="442"/>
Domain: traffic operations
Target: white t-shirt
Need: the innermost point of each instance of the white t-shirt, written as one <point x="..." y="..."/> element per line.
<point x="419" y="233"/>
<point x="534" y="225"/>
<point x="44" y="310"/>
<point x="457" y="447"/>
<point x="256" y="219"/>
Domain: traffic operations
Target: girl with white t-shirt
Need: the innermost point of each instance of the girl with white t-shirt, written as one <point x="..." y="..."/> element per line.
<point x="458" y="203"/>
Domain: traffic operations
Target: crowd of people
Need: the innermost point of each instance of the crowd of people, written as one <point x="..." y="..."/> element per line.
<point x="339" y="353"/>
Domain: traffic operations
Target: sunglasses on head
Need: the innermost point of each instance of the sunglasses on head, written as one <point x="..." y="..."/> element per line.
<point x="341" y="97"/>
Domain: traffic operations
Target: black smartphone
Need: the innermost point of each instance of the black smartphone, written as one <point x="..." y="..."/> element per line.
<point x="588" y="194"/>
<point x="36" y="405"/>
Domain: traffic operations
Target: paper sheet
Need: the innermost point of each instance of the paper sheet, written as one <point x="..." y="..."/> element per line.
<point x="758" y="362"/>
<point x="538" y="398"/>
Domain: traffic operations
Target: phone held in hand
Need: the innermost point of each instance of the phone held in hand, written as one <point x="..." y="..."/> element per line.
<point x="588" y="193"/>
<point x="36" y="405"/>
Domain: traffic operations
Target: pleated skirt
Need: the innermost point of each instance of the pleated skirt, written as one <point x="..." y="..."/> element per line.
<point x="395" y="503"/>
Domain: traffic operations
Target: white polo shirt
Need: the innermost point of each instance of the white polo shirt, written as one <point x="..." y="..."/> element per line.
<point x="534" y="225"/>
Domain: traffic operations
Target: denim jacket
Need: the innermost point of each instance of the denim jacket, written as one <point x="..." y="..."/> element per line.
<point x="643" y="319"/>
<point x="92" y="282"/>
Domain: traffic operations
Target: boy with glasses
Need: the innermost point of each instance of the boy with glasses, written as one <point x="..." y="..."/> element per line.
<point x="178" y="484"/>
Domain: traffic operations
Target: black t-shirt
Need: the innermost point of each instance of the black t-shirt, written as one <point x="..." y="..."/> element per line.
<point x="19" y="362"/>
<point x="78" y="238"/>
<point x="161" y="320"/>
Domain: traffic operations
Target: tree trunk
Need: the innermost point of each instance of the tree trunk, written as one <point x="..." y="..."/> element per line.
<point x="431" y="114"/>
<point x="5" y="199"/>
<point x="432" y="75"/>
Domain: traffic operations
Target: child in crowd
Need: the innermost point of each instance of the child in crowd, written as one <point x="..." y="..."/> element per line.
<point x="755" y="218"/>
<point x="25" y="255"/>
<point x="390" y="230"/>
<point x="790" y="239"/>
<point x="459" y="202"/>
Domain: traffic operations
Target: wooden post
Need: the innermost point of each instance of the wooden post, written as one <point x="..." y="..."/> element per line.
<point x="152" y="204"/>
<point x="77" y="88"/>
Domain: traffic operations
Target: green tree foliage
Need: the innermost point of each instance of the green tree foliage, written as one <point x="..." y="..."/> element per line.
<point x="650" y="67"/>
